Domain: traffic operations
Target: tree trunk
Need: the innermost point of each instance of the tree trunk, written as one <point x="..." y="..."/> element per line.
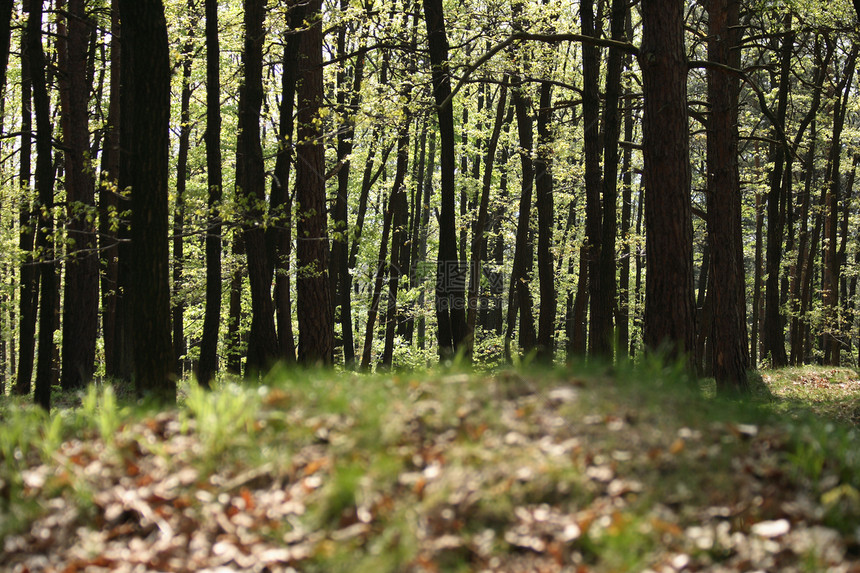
<point x="341" y="279"/>
<point x="398" y="215"/>
<point x="600" y="303"/>
<point x="546" y="224"/>
<point x="623" y="325"/>
<point x="108" y="201"/>
<point x="147" y="77"/>
<point x="28" y="223"/>
<point x="208" y="365"/>
<point x="450" y="280"/>
<point x="5" y="38"/>
<point x="832" y="266"/>
<point x="475" y="270"/>
<point x="250" y="190"/>
<point x="728" y="305"/>
<point x="178" y="310"/>
<point x="670" y="319"/>
<point x="233" y="340"/>
<point x="772" y="330"/>
<point x="316" y="322"/>
<point x="45" y="190"/>
<point x="80" y="315"/>
<point x="520" y="298"/>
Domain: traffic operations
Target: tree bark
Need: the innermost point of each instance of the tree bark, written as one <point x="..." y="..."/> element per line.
<point x="250" y="190"/>
<point x="5" y="38"/>
<point x="519" y="297"/>
<point x="450" y="279"/>
<point x="108" y="204"/>
<point x="342" y="280"/>
<point x="45" y="189"/>
<point x="80" y="315"/>
<point x="728" y="326"/>
<point x="28" y="223"/>
<point x="208" y="365"/>
<point x="600" y="303"/>
<point x="147" y="77"/>
<point x="546" y="225"/>
<point x="670" y="319"/>
<point x="772" y="330"/>
<point x="832" y="262"/>
<point x="178" y="310"/>
<point x="316" y="322"/>
<point x="475" y="270"/>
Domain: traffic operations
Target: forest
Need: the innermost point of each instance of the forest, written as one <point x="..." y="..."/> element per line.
<point x="194" y="187"/>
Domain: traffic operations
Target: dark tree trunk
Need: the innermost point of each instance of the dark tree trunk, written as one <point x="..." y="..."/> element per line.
<point x="80" y="315"/>
<point x="316" y="322"/>
<point x="233" y="339"/>
<point x="670" y="313"/>
<point x="416" y="227"/>
<point x="805" y="199"/>
<point x="728" y="327"/>
<point x="379" y="278"/>
<point x="398" y="216"/>
<point x="5" y="38"/>
<point x="623" y="326"/>
<point x="125" y="283"/>
<point x="755" y="345"/>
<point x="279" y="234"/>
<point x="427" y="184"/>
<point x="546" y="224"/>
<point x="797" y="279"/>
<point x="450" y="281"/>
<point x="341" y="278"/>
<point x="600" y="304"/>
<point x="45" y="191"/>
<point x="178" y="310"/>
<point x="147" y="78"/>
<point x="208" y="365"/>
<point x="481" y="222"/>
<point x="832" y="263"/>
<point x="494" y="308"/>
<point x="29" y="294"/>
<point x="250" y="190"/>
<point x="519" y="297"/>
<point x="772" y="329"/>
<point x="108" y="201"/>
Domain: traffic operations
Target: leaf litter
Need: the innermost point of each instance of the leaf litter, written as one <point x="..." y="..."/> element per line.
<point x="504" y="474"/>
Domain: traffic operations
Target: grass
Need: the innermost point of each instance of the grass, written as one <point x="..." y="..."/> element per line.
<point x="586" y="469"/>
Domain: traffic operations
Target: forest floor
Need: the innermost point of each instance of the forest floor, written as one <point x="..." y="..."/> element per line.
<point x="581" y="471"/>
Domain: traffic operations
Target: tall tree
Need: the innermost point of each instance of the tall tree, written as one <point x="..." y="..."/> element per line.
<point x="670" y="319"/>
<point x="546" y="225"/>
<point x="450" y="278"/>
<point x="316" y="321"/>
<point x="5" y="38"/>
<point x="108" y="199"/>
<point x="29" y="291"/>
<point x="279" y="235"/>
<point x="729" y="334"/>
<point x="250" y="192"/>
<point x="208" y="364"/>
<point x="519" y="295"/>
<point x="45" y="189"/>
<point x="600" y="295"/>
<point x="478" y="240"/>
<point x="80" y="314"/>
<point x="146" y="76"/>
<point x="347" y="108"/>
<point x="178" y="310"/>
<point x="773" y="329"/>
